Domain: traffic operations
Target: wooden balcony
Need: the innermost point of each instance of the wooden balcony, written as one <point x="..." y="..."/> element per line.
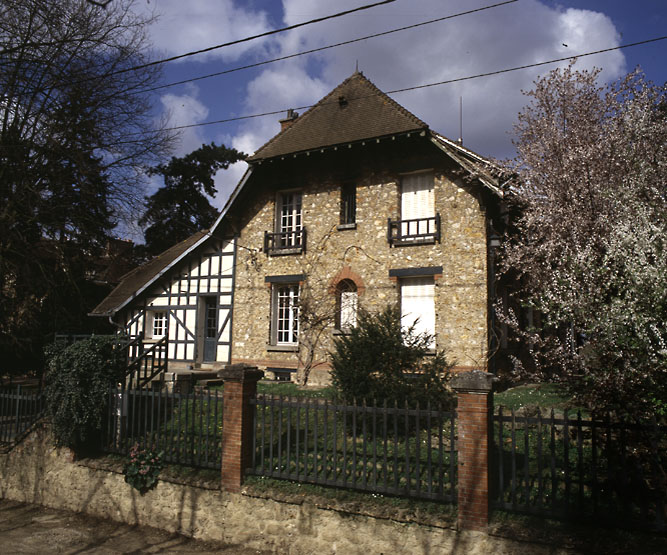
<point x="285" y="242"/>
<point x="418" y="231"/>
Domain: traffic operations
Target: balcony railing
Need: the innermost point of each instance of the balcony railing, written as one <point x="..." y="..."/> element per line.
<point x="285" y="242"/>
<point x="413" y="232"/>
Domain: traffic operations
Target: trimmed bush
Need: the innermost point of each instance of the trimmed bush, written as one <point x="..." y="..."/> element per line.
<point x="380" y="360"/>
<point x="77" y="389"/>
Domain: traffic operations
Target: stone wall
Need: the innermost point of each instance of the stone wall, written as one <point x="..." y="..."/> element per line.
<point x="35" y="472"/>
<point x="460" y="292"/>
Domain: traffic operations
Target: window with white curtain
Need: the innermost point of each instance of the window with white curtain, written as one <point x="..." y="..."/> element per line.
<point x="346" y="305"/>
<point x="418" y="305"/>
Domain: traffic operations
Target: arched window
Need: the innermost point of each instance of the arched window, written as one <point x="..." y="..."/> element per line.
<point x="346" y="304"/>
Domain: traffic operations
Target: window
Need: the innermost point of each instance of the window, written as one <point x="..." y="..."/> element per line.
<point x="348" y="205"/>
<point x="418" y="305"/>
<point x="417" y="205"/>
<point x="346" y="305"/>
<point x="285" y="315"/>
<point x="159" y="324"/>
<point x="288" y="223"/>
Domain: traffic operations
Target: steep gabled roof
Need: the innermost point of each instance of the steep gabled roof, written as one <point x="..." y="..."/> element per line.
<point x="355" y="110"/>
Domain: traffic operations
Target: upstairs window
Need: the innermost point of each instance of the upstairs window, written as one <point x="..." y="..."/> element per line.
<point x="289" y="222"/>
<point x="348" y="205"/>
<point x="417" y="204"/>
<point x="346" y="305"/>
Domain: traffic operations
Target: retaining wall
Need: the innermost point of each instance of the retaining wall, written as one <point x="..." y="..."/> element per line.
<point x="36" y="472"/>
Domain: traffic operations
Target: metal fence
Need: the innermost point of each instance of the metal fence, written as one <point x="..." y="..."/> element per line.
<point x="186" y="427"/>
<point x="19" y="409"/>
<point x="578" y="468"/>
<point x="386" y="449"/>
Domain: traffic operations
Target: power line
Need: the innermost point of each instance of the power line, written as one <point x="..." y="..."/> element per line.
<point x="253" y="37"/>
<point x="416" y="87"/>
<point x="312" y="51"/>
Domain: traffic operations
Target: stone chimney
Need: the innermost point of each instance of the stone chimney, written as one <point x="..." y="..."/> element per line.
<point x="289" y="120"/>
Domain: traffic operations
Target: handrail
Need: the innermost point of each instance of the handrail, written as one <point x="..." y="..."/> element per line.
<point x="285" y="241"/>
<point x="147" y="365"/>
<point x="414" y="230"/>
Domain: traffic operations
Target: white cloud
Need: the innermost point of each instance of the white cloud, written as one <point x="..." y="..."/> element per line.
<point x="505" y="37"/>
<point x="185" y="109"/>
<point x="518" y="34"/>
<point x="185" y="26"/>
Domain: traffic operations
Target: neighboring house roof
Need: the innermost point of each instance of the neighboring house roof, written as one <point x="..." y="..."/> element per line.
<point x="137" y="280"/>
<point x="355" y="110"/>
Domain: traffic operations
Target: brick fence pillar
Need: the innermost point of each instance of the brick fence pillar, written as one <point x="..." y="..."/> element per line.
<point x="237" y="420"/>
<point x="474" y="415"/>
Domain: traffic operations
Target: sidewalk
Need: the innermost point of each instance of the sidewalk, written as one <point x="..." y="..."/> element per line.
<point x="33" y="529"/>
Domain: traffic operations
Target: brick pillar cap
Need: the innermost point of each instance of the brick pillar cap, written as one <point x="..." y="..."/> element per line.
<point x="476" y="380"/>
<point x="241" y="373"/>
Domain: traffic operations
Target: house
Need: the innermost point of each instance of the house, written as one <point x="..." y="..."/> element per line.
<point x="355" y="203"/>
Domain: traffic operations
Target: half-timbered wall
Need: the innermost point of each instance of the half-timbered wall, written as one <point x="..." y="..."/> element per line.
<point x="204" y="279"/>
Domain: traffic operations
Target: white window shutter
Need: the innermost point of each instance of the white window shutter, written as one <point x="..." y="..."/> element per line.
<point x="417" y="201"/>
<point x="418" y="305"/>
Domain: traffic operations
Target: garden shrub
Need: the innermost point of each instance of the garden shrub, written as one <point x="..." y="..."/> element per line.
<point x="77" y="389"/>
<point x="380" y="361"/>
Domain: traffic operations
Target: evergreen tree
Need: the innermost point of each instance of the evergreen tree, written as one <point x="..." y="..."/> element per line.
<point x="182" y="206"/>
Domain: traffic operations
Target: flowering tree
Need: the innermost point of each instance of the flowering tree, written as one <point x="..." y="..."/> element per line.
<point x="589" y="243"/>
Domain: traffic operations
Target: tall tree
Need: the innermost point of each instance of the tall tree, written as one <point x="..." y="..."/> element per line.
<point x="75" y="131"/>
<point x="182" y="206"/>
<point x="590" y="243"/>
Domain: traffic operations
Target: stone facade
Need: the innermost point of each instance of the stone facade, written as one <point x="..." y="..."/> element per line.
<point x="363" y="253"/>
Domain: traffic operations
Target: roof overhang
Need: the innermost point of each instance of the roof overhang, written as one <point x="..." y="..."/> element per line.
<point x="417" y="132"/>
<point x="476" y="165"/>
<point x="206" y="235"/>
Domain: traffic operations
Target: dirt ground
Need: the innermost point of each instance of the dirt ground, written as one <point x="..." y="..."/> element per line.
<point x="33" y="529"/>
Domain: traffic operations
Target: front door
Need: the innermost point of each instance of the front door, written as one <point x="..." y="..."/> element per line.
<point x="210" y="329"/>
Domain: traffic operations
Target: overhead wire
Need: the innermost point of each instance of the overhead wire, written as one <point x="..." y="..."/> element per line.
<point x="426" y="85"/>
<point x="252" y="37"/>
<point x="322" y="48"/>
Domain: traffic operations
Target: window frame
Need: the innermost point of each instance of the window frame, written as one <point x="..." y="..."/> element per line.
<point x="287" y="313"/>
<point x="423" y="210"/>
<point x="346" y="287"/>
<point x="348" y="206"/>
<point x="412" y="281"/>
<point x="157" y="316"/>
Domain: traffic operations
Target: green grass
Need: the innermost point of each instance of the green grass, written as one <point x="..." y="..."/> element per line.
<point x="546" y="396"/>
<point x="294" y="390"/>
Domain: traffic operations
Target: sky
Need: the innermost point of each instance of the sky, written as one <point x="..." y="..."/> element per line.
<point x="514" y="34"/>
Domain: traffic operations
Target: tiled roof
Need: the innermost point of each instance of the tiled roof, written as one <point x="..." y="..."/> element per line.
<point x="133" y="282"/>
<point x="353" y="111"/>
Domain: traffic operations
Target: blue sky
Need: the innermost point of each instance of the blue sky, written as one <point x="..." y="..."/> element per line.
<point x="523" y="32"/>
